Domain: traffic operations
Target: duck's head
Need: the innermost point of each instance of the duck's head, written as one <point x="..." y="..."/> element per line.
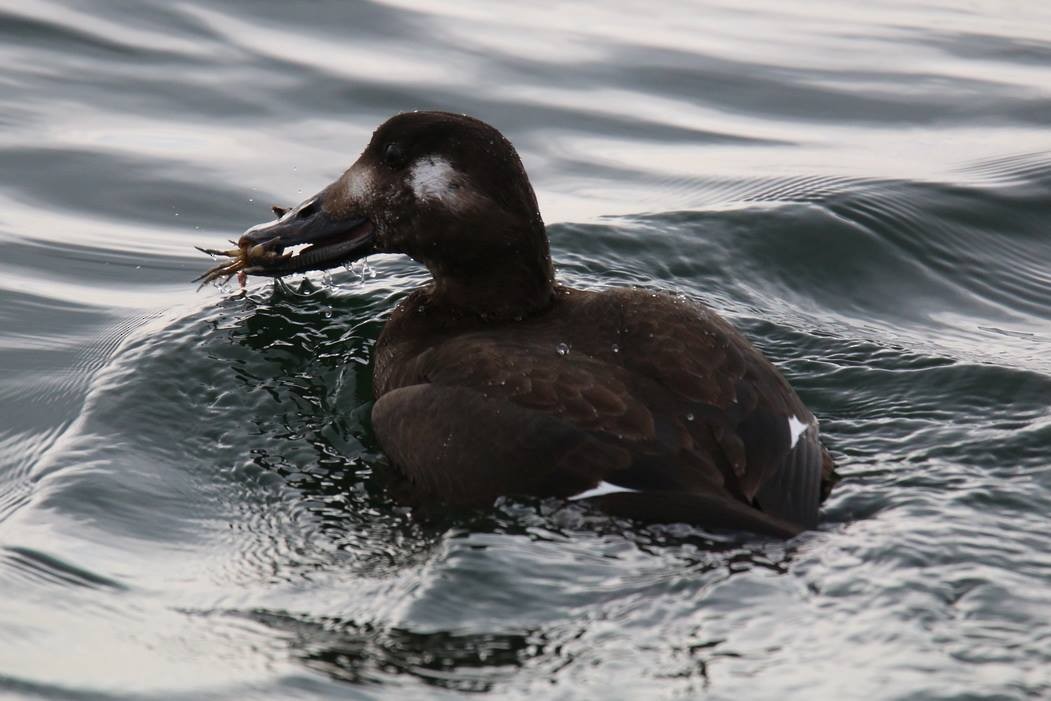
<point x="445" y="189"/>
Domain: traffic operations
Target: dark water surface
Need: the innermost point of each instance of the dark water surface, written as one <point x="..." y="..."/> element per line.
<point x="192" y="507"/>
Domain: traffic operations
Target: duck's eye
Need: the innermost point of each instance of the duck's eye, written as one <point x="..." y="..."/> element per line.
<point x="393" y="154"/>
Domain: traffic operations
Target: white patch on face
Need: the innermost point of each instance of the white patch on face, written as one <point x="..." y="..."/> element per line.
<point x="359" y="183"/>
<point x="434" y="178"/>
<point x="797" y="428"/>
<point x="601" y="489"/>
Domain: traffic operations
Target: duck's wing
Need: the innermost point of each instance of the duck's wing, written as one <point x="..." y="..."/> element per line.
<point x="766" y="434"/>
<point x="604" y="408"/>
<point x="459" y="446"/>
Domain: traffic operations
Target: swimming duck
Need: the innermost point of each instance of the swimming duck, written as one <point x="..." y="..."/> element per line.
<point x="493" y="379"/>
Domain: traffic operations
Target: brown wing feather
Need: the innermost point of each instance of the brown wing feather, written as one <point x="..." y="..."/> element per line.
<point x="440" y="454"/>
<point x="605" y="401"/>
<point x="449" y="455"/>
<point x="586" y="392"/>
<point x="698" y="356"/>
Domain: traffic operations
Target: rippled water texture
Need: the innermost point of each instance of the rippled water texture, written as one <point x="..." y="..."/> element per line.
<point x="191" y="503"/>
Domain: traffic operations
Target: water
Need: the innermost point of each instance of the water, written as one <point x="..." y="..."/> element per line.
<point x="191" y="503"/>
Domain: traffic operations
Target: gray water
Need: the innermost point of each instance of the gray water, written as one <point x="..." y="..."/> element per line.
<point x="192" y="505"/>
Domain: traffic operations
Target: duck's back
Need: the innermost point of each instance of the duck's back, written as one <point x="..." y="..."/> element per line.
<point x="651" y="405"/>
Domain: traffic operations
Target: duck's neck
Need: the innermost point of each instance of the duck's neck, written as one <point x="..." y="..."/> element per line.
<point x="517" y="289"/>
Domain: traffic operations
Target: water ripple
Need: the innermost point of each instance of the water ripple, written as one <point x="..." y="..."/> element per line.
<point x="192" y="504"/>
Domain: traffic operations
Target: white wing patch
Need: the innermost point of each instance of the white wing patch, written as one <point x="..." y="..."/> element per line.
<point x="602" y="489"/>
<point x="797" y="428"/>
<point x="434" y="178"/>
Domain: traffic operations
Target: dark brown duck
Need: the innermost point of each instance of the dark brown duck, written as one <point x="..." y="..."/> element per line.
<point x="494" y="380"/>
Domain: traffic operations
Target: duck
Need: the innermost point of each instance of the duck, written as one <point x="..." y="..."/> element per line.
<point x="495" y="380"/>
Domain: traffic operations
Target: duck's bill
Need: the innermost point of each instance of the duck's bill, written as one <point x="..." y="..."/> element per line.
<point x="304" y="238"/>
